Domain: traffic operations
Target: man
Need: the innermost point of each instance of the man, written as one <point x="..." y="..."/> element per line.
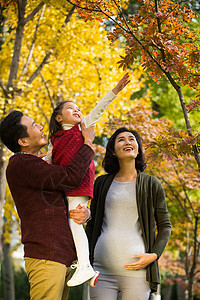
<point x="37" y="189"/>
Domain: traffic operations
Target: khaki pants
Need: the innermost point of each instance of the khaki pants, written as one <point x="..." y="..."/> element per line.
<point x="48" y="279"/>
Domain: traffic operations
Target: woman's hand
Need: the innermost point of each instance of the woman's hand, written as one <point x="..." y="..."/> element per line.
<point x="143" y="261"/>
<point x="80" y="215"/>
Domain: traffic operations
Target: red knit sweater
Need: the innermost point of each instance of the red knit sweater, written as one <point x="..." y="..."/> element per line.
<point x="36" y="189"/>
<point x="66" y="145"/>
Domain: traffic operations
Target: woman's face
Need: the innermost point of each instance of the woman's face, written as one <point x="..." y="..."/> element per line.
<point x="126" y="145"/>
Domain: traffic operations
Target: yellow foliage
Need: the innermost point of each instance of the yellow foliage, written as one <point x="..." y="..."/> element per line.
<point x="10" y="218"/>
<point x="81" y="68"/>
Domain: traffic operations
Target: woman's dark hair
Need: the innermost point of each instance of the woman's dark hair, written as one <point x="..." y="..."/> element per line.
<point x="55" y="126"/>
<point x="11" y="130"/>
<point x="110" y="162"/>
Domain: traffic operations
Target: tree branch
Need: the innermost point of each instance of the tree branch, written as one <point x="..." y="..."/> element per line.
<point x="48" y="91"/>
<point x="18" y="43"/>
<point x="34" y="12"/>
<point x="7" y="94"/>
<point x="32" y="44"/>
<point x="98" y="74"/>
<point x="46" y="58"/>
<point x="5" y="90"/>
<point x="46" y="85"/>
<point x="39" y="68"/>
<point x="85" y="8"/>
<point x="195" y="273"/>
<point x="184" y="189"/>
<point x="166" y="73"/>
<point x="68" y="17"/>
<point x="44" y="115"/>
<point x="177" y="198"/>
<point x="195" y="247"/>
<point x="130" y="32"/>
<point x="159" y="28"/>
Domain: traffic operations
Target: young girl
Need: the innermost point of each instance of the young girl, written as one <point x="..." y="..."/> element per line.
<point x="66" y="138"/>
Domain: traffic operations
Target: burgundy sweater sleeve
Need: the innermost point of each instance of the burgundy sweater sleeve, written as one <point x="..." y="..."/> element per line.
<point x="39" y="174"/>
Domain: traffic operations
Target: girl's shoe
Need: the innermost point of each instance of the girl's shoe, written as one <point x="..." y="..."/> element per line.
<point x="93" y="280"/>
<point x="82" y="274"/>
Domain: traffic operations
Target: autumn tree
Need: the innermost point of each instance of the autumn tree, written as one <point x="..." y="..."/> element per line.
<point x="159" y="34"/>
<point x="169" y="158"/>
<point x="58" y="57"/>
<point x="182" y="185"/>
<point x="10" y="73"/>
<point x="45" y="58"/>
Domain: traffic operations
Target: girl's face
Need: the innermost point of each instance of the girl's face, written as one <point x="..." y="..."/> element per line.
<point x="70" y="114"/>
<point x="126" y="146"/>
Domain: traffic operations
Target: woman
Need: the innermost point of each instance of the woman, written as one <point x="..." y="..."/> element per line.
<point x="126" y="205"/>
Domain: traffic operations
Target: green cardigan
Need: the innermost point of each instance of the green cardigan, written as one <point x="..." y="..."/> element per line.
<point x="152" y="209"/>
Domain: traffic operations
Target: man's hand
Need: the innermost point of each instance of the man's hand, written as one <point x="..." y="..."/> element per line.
<point x="121" y="84"/>
<point x="80" y="215"/>
<point x="143" y="261"/>
<point x="88" y="134"/>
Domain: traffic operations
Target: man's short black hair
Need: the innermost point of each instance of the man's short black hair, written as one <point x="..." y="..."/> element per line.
<point x="11" y="130"/>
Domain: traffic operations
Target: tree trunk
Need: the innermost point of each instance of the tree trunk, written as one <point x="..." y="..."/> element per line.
<point x="3" y="164"/>
<point x="195" y="256"/>
<point x="8" y="272"/>
<point x="190" y="288"/>
<point x="18" y="43"/>
<point x="180" y="94"/>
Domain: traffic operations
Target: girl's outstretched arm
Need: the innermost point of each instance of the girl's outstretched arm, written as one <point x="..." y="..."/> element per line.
<point x="97" y="111"/>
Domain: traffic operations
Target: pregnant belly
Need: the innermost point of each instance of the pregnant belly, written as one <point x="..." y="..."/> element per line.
<point x="113" y="252"/>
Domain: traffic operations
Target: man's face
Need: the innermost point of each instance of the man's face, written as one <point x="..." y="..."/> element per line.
<point x="36" y="139"/>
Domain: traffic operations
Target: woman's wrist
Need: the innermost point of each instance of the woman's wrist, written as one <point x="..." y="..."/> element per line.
<point x="88" y="215"/>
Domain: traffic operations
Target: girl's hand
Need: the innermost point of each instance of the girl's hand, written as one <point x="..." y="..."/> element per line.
<point x="143" y="261"/>
<point x="121" y="84"/>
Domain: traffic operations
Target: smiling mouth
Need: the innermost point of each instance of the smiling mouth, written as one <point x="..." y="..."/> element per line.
<point x="128" y="149"/>
<point x="77" y="116"/>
